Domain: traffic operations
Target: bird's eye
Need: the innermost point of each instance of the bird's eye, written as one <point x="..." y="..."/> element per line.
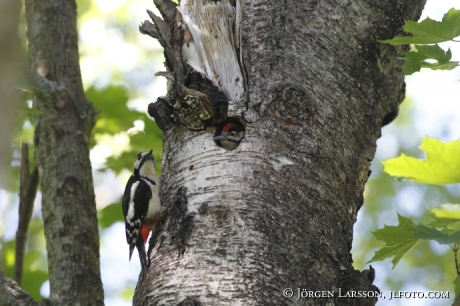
<point x="233" y="133"/>
<point x="139" y="156"/>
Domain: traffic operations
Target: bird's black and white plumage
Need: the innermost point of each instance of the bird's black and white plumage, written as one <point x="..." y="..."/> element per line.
<point x="141" y="206"/>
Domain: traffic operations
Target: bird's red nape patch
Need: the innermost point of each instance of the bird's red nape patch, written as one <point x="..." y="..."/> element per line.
<point x="145" y="231"/>
<point x="227" y="127"/>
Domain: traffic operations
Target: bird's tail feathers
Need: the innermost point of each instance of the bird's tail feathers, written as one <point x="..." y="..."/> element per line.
<point x="143" y="258"/>
<point x="131" y="249"/>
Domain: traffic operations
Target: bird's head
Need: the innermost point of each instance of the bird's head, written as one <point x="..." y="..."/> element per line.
<point x="145" y="164"/>
<point x="231" y="135"/>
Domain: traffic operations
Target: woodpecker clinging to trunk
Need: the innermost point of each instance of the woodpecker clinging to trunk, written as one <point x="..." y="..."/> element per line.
<point x="141" y="206"/>
<point x="231" y="135"/>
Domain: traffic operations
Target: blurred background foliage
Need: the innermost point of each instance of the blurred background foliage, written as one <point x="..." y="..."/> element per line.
<point x="118" y="66"/>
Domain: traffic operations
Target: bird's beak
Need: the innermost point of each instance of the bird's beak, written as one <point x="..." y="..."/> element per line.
<point x="220" y="137"/>
<point x="150" y="154"/>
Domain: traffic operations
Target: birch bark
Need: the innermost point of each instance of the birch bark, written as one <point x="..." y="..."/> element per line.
<point x="278" y="211"/>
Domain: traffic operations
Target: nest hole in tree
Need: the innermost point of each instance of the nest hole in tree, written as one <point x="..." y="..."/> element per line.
<point x="232" y="129"/>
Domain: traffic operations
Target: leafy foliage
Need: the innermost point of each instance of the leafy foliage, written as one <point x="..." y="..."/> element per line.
<point x="115" y="117"/>
<point x="448" y="216"/>
<point x="420" y="59"/>
<point x="426" y="32"/>
<point x="399" y="240"/>
<point x="35" y="272"/>
<point x="429" y="31"/>
<point x="457" y="285"/>
<point x="442" y="165"/>
<point x="120" y="131"/>
<point x="109" y="215"/>
<point x="402" y="238"/>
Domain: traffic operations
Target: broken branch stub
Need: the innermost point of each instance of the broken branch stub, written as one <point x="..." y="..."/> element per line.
<point x="193" y="108"/>
<point x="200" y="37"/>
<point x="213" y="49"/>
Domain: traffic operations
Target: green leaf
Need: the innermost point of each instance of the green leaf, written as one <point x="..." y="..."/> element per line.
<point x="25" y="85"/>
<point x="411" y="65"/>
<point x="32" y="281"/>
<point x="7" y="257"/>
<point x="429" y="31"/>
<point x="109" y="215"/>
<point x="402" y="238"/>
<point x="447" y="216"/>
<point x="457" y="289"/>
<point x="445" y="223"/>
<point x="424" y="232"/>
<point x="442" y="165"/>
<point x="114" y="116"/>
<point x="446" y="66"/>
<point x="150" y="138"/>
<point x="399" y="240"/>
<point x="127" y="293"/>
<point x="398" y="251"/>
<point x="119" y="163"/>
<point x="415" y="60"/>
<point x="34" y="276"/>
<point x="451" y="211"/>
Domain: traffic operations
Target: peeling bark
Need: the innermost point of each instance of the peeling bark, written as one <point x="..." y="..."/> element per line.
<point x="278" y="211"/>
<point x="211" y="43"/>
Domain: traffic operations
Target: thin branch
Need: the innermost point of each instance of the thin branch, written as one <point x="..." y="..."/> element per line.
<point x="456" y="261"/>
<point x="167" y="9"/>
<point x="27" y="192"/>
<point x="455" y="249"/>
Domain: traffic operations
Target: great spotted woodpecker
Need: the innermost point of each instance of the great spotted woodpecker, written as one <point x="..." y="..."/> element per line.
<point x="141" y="206"/>
<point x="231" y="135"/>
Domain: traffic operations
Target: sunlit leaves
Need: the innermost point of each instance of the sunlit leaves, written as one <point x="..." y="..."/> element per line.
<point x="425" y="32"/>
<point x="457" y="287"/>
<point x="441" y="166"/>
<point x="429" y="31"/>
<point x="420" y="59"/>
<point x="447" y="216"/>
<point x="109" y="215"/>
<point x="399" y="240"/>
<point x="402" y="238"/>
<point x="115" y="117"/>
<point x="442" y="237"/>
<point x="34" y="274"/>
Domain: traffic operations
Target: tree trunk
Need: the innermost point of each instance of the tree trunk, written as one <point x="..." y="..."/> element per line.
<point x="278" y="211"/>
<point x="62" y="136"/>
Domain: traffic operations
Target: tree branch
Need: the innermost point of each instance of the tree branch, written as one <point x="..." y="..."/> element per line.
<point x="455" y="249"/>
<point x="27" y="192"/>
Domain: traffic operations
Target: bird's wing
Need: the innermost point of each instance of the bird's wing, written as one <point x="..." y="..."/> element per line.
<point x="135" y="205"/>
